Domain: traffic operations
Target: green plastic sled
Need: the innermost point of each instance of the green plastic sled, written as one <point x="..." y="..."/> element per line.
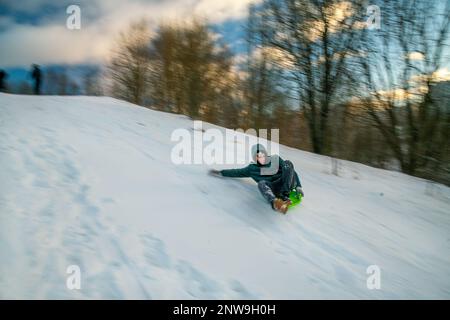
<point x="295" y="197"/>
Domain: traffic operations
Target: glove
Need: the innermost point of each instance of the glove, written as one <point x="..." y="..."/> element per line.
<point x="215" y="173"/>
<point x="300" y="191"/>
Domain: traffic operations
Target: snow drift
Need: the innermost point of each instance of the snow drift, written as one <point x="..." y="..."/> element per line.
<point x="88" y="181"/>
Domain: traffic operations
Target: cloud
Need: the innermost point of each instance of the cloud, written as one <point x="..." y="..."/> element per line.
<point x="220" y="11"/>
<point x="415" y="56"/>
<point x="51" y="45"/>
<point x="417" y="87"/>
<point x="440" y="75"/>
<point x="401" y="94"/>
<point x="5" y="22"/>
<point x="51" y="42"/>
<point x="278" y="56"/>
<point x="336" y="14"/>
<point x="338" y="55"/>
<point x="26" y="6"/>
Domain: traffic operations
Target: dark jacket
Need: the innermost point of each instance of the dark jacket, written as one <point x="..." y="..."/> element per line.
<point x="253" y="171"/>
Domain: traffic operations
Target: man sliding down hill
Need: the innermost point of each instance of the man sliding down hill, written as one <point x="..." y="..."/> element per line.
<point x="274" y="182"/>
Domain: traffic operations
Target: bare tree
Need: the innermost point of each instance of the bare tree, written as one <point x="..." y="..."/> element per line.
<point x="315" y="38"/>
<point x="92" y="80"/>
<point x="59" y="82"/>
<point x="263" y="88"/>
<point x="129" y="68"/>
<point x="191" y="72"/>
<point x="400" y="70"/>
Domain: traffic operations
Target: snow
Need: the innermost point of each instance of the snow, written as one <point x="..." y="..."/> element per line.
<point x="89" y="181"/>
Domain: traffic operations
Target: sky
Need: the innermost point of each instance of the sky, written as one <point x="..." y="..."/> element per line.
<point x="35" y="31"/>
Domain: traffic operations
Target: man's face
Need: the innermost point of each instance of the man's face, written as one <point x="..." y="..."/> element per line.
<point x="261" y="158"/>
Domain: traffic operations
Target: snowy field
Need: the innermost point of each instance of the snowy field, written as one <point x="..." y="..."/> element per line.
<point x="89" y="181"/>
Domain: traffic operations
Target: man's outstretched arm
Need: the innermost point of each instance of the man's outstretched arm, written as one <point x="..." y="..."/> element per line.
<point x="232" y="173"/>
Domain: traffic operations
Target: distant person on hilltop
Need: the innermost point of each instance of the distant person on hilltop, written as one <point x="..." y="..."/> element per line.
<point x="37" y="77"/>
<point x="3" y="76"/>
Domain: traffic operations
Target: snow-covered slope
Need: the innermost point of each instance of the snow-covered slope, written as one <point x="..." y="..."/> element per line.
<point x="89" y="182"/>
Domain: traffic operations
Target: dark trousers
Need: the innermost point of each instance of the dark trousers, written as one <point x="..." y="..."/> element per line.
<point x="37" y="87"/>
<point x="282" y="186"/>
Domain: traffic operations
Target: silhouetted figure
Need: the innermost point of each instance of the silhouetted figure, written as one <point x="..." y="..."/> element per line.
<point x="3" y="76"/>
<point x="37" y="76"/>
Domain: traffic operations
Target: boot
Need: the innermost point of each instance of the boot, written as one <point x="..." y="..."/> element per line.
<point x="280" y="205"/>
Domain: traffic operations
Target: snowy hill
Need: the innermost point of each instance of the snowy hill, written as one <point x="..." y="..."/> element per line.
<point x="88" y="181"/>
